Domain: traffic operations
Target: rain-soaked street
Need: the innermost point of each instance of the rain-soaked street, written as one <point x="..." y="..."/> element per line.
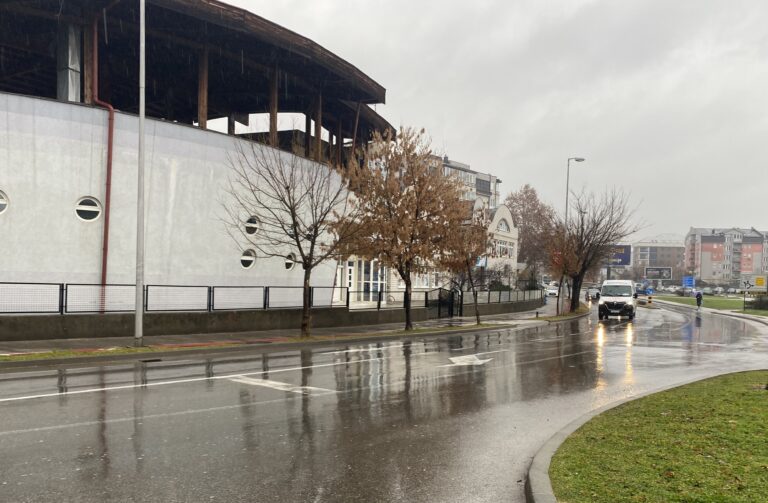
<point x="451" y="419"/>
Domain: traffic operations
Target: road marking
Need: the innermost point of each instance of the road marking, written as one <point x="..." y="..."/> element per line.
<point x="459" y="361"/>
<point x="283" y="386"/>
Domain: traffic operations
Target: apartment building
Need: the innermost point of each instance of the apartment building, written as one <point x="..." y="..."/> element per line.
<point x="724" y="255"/>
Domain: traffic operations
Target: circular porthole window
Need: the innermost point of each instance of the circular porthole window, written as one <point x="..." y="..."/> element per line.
<point x="290" y="261"/>
<point x="248" y="259"/>
<point x="3" y="201"/>
<point x="88" y="208"/>
<point x="251" y="225"/>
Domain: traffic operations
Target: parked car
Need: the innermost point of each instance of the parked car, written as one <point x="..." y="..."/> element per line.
<point x="551" y="291"/>
<point x="594" y="292"/>
<point x="719" y="290"/>
<point x="706" y="291"/>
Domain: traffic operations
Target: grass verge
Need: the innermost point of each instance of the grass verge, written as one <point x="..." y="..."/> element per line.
<point x="79" y="353"/>
<point x="715" y="303"/>
<point x="702" y="442"/>
<point x="583" y="309"/>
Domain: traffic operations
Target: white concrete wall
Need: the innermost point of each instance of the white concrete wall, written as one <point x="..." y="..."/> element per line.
<point x="53" y="153"/>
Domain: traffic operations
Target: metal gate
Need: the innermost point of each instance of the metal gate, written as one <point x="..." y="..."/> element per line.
<point x="442" y="303"/>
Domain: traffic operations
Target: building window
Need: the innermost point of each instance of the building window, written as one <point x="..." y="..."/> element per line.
<point x="88" y="209"/>
<point x="251" y="225"/>
<point x="290" y="261"/>
<point x="248" y="259"/>
<point x="3" y="201"/>
<point x="503" y="226"/>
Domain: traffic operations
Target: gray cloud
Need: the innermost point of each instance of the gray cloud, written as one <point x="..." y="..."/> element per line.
<point x="666" y="100"/>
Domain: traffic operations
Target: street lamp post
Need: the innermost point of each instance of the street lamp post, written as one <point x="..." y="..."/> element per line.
<point x="567" y="190"/>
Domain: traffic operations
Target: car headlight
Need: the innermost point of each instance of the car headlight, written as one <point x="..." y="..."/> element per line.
<point x="600" y="302"/>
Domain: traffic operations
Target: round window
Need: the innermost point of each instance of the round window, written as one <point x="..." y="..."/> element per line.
<point x="290" y="261"/>
<point x="248" y="259"/>
<point x="251" y="225"/>
<point x="88" y="208"/>
<point x="3" y="201"/>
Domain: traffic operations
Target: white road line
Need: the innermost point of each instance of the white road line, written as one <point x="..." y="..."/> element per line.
<point x="283" y="386"/>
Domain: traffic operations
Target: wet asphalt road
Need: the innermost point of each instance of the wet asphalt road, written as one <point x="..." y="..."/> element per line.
<point x="390" y="422"/>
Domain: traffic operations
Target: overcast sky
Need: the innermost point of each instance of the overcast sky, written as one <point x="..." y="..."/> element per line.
<point x="667" y="100"/>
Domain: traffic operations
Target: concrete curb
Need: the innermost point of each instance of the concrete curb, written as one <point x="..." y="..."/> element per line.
<point x="245" y="347"/>
<point x="538" y="487"/>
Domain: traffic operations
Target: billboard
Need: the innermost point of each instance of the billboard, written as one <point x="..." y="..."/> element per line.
<point x="621" y="255"/>
<point x="658" y="273"/>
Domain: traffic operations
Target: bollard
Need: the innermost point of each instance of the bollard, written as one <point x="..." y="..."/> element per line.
<point x="650" y="299"/>
<point x="537" y="314"/>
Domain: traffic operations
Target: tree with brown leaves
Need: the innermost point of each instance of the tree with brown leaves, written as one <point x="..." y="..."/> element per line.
<point x="468" y="243"/>
<point x="535" y="222"/>
<point x="287" y="206"/>
<point x="409" y="210"/>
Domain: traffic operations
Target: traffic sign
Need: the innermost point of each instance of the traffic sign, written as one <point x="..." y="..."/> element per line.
<point x="689" y="282"/>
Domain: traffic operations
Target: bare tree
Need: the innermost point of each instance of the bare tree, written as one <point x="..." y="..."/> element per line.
<point x="469" y="242"/>
<point x="289" y="207"/>
<point x="585" y="242"/>
<point x="535" y="222"/>
<point x="408" y="207"/>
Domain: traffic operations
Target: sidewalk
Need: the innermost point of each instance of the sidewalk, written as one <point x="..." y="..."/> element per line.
<point x="264" y="337"/>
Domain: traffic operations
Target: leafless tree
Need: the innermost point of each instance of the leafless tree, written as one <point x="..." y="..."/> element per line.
<point x="287" y="206"/>
<point x="585" y="242"/>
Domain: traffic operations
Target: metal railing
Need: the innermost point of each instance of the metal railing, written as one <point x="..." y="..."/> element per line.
<point x="72" y="298"/>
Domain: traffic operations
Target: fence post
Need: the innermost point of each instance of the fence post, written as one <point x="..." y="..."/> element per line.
<point x="347" y="289"/>
<point x="210" y="299"/>
<point x="378" y="302"/>
<point x="145" y="296"/>
<point x="426" y="299"/>
<point x="61" y="298"/>
<point x="489" y="296"/>
<point x="266" y="297"/>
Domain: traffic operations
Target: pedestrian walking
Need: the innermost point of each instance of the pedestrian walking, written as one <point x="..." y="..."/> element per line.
<point x="698" y="301"/>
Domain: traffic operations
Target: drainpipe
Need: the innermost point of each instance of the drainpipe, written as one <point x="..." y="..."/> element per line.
<point x="110" y="136"/>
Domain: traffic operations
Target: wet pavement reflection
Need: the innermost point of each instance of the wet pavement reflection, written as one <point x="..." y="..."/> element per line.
<point x="455" y="418"/>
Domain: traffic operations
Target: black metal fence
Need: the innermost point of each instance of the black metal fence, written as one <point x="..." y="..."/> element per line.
<point x="64" y="298"/>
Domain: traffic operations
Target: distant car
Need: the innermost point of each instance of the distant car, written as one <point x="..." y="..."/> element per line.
<point x="593" y="292"/>
<point x="719" y="290"/>
<point x="707" y="291"/>
<point x="551" y="291"/>
<point x="731" y="290"/>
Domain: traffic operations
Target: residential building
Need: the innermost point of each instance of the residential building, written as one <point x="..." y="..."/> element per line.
<point x="725" y="255"/>
<point x="662" y="251"/>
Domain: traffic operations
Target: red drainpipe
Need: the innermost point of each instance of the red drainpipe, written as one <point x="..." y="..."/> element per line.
<point x="110" y="136"/>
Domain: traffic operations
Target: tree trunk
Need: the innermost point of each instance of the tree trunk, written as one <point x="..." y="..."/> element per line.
<point x="474" y="292"/>
<point x="306" y="311"/>
<point x="407" y="303"/>
<point x="576" y="282"/>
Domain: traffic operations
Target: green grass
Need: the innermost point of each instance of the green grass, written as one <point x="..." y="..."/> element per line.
<point x="726" y="304"/>
<point x="705" y="442"/>
<point x="583" y="308"/>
